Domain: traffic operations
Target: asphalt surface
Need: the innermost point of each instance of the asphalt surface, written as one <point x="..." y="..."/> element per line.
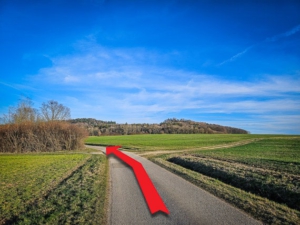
<point x="187" y="203"/>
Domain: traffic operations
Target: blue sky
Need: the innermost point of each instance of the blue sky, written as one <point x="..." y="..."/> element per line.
<point x="234" y="63"/>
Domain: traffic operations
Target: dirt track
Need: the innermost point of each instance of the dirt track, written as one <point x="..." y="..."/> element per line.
<point x="238" y="143"/>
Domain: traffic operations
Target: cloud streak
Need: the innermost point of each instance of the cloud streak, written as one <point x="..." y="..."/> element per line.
<point x="236" y="56"/>
<point x="285" y="34"/>
<point x="272" y="39"/>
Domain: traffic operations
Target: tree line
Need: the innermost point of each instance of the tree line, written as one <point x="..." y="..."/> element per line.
<point x="169" y="126"/>
<point x="26" y="129"/>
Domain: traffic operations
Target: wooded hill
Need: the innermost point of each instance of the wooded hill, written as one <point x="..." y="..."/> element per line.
<point x="169" y="126"/>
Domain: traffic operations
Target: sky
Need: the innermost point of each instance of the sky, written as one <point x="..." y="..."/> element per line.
<point x="233" y="63"/>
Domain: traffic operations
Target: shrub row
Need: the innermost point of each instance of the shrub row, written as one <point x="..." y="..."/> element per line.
<point x="40" y="137"/>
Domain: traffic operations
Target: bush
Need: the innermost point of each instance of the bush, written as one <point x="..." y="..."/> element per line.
<point x="40" y="137"/>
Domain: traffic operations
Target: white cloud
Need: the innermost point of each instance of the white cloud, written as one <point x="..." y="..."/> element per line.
<point x="256" y="107"/>
<point x="71" y="79"/>
<point x="278" y="124"/>
<point x="123" y="85"/>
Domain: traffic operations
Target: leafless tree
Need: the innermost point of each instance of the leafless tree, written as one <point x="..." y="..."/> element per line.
<point x="52" y="111"/>
<point x="24" y="112"/>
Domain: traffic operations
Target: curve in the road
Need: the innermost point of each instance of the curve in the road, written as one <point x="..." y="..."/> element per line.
<point x="187" y="203"/>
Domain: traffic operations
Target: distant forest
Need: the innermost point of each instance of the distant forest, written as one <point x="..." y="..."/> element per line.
<point x="169" y="126"/>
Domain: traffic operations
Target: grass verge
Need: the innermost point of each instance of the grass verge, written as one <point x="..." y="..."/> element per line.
<point x="262" y="209"/>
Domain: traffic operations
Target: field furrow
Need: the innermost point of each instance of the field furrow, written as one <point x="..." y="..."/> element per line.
<point x="280" y="187"/>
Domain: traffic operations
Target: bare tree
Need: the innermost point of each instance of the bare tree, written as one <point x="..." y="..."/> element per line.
<point x="52" y="110"/>
<point x="24" y="112"/>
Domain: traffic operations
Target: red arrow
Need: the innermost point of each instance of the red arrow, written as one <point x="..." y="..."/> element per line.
<point x="153" y="199"/>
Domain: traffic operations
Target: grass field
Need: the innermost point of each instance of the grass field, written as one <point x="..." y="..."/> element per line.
<point x="261" y="175"/>
<point x="170" y="141"/>
<point x="53" y="188"/>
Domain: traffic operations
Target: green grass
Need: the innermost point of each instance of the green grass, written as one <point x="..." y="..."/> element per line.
<point x="170" y="141"/>
<point x="282" y="155"/>
<point x="71" y="187"/>
<point x="53" y="188"/>
<point x="262" y="177"/>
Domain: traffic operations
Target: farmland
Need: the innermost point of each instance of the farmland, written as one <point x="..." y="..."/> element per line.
<point x="260" y="175"/>
<point x="170" y="141"/>
<point x="60" y="188"/>
<point x="256" y="173"/>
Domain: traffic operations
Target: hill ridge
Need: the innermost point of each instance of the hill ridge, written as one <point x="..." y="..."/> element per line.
<point x="168" y="126"/>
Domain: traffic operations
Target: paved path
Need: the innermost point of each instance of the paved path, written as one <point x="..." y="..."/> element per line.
<point x="187" y="203"/>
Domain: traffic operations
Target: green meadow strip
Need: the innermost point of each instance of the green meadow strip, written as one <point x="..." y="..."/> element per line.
<point x="161" y="142"/>
<point x="278" y="154"/>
